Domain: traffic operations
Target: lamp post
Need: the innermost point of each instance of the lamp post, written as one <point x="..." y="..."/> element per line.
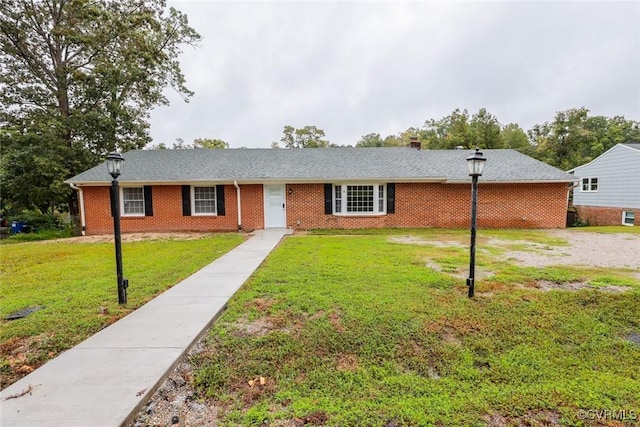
<point x="475" y="162"/>
<point x="114" y="166"/>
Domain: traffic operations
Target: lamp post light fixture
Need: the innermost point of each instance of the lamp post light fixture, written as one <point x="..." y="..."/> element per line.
<point x="475" y="162"/>
<point x="114" y="166"/>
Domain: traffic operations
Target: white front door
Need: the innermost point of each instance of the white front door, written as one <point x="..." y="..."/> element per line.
<point x="274" y="208"/>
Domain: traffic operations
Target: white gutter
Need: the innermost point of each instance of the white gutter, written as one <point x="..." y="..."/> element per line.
<point x="235" y="184"/>
<point x="81" y="206"/>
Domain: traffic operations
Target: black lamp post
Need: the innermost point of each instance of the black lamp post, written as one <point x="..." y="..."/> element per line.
<point x="114" y="166"/>
<point x="475" y="163"/>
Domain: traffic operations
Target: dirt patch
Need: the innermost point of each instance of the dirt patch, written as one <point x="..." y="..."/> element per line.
<point x="448" y="335"/>
<point x="20" y="357"/>
<point x="584" y="248"/>
<point x="336" y="322"/>
<point x="256" y="328"/>
<point x="414" y="240"/>
<point x="261" y="304"/>
<point x="461" y="273"/>
<point x="347" y="363"/>
<point x="531" y="418"/>
<point x="545" y="285"/>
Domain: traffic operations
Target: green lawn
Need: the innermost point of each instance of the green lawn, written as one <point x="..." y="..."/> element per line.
<point x="76" y="282"/>
<point x="353" y="330"/>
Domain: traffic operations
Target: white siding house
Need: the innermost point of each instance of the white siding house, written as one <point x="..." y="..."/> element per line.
<point x="608" y="192"/>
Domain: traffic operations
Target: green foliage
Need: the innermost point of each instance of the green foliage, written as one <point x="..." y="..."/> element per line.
<point x="571" y="139"/>
<point x="306" y="137"/>
<point x="37" y="235"/>
<point x="42" y="221"/>
<point x="197" y="143"/>
<point x="375" y="140"/>
<point x="574" y="138"/>
<point x="358" y="330"/>
<point x="209" y="143"/>
<point x="78" y="81"/>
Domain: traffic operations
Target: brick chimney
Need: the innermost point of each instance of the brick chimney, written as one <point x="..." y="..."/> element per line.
<point x="414" y="143"/>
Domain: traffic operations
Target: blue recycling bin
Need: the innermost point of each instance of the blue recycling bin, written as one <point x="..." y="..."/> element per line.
<point x="19" y="227"/>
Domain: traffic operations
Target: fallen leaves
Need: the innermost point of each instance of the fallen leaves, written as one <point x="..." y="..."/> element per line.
<point x="262" y="381"/>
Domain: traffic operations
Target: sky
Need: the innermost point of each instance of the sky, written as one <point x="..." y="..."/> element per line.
<point x="354" y="68"/>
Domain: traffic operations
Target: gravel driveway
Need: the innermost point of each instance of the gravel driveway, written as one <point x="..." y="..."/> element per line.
<point x="585" y="248"/>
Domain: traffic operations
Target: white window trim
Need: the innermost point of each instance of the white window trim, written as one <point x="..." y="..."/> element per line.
<point x="376" y="199"/>
<point x="590" y="181"/>
<point x="193" y="200"/>
<point x="144" y="208"/>
<point x="624" y="217"/>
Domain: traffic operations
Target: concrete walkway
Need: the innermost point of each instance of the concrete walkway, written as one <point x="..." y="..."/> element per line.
<point x="105" y="380"/>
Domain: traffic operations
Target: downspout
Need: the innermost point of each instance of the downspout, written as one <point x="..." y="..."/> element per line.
<point x="576" y="184"/>
<point x="81" y="203"/>
<point x="235" y="184"/>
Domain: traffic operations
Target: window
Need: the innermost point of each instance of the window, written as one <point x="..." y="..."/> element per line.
<point x="628" y="218"/>
<point x="359" y="199"/>
<point x="204" y="200"/>
<point x="132" y="201"/>
<point x="590" y="184"/>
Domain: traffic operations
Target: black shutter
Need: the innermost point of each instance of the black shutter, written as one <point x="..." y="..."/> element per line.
<point x="186" y="200"/>
<point x="220" y="199"/>
<point x="328" y="199"/>
<point x="391" y="198"/>
<point x="148" y="201"/>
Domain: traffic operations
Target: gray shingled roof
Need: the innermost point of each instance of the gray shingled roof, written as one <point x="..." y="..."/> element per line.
<point x="634" y="145"/>
<point x="320" y="165"/>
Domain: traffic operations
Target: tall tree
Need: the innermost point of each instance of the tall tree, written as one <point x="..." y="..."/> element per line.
<point x="574" y="138"/>
<point x="485" y="130"/>
<point x="513" y="136"/>
<point x="306" y="137"/>
<point x="449" y="132"/>
<point x="87" y="71"/>
<point x="209" y="143"/>
<point x="371" y="140"/>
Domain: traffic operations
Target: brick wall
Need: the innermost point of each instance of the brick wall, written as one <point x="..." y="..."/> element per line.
<point x="167" y="213"/>
<point x="417" y="205"/>
<point x="441" y="205"/>
<point x="598" y="215"/>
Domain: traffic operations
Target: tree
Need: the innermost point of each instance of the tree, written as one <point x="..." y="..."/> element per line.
<point x="514" y="137"/>
<point x="79" y="77"/>
<point x="371" y="140"/>
<point x="307" y="137"/>
<point x="209" y="143"/>
<point x="485" y="130"/>
<point x="449" y="132"/>
<point x="573" y="138"/>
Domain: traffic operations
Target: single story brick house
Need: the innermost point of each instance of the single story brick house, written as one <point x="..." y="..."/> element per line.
<point x="231" y="189"/>
<point x="609" y="189"/>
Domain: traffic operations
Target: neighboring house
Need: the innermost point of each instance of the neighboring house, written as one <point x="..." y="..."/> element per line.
<point x="231" y="189"/>
<point x="609" y="189"/>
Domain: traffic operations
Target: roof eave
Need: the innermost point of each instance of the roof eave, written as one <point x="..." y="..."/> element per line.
<point x="257" y="181"/>
<point x="528" y="181"/>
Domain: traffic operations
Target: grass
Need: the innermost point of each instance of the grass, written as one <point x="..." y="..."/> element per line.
<point x="351" y="330"/>
<point x="35" y="236"/>
<point x="76" y="283"/>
